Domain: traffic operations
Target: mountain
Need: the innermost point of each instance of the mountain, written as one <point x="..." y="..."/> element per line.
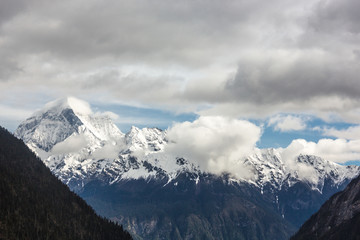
<point x="338" y="218"/>
<point x="34" y="204"/>
<point x="132" y="179"/>
<point x="79" y="146"/>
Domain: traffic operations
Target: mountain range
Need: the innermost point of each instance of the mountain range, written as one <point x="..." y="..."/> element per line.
<point x="133" y="179"/>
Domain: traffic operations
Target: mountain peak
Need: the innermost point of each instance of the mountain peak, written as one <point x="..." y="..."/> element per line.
<point x="78" y="106"/>
<point x="63" y="118"/>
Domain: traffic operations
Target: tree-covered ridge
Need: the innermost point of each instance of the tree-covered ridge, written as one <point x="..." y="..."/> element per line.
<point x="34" y="204"/>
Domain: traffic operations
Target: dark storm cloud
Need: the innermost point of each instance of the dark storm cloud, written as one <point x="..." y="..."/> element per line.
<point x="336" y="16"/>
<point x="324" y="63"/>
<point x="190" y="33"/>
<point x="334" y="26"/>
<point x="133" y="30"/>
<point x="10" y="8"/>
<point x="299" y="80"/>
<point x="8" y="69"/>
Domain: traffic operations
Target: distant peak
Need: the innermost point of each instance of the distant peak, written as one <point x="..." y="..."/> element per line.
<point x="78" y="106"/>
<point x="134" y="129"/>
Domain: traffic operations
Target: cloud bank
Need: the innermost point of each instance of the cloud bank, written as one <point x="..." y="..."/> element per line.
<point x="236" y="58"/>
<point x="219" y="144"/>
<point x="338" y="150"/>
<point x="216" y="144"/>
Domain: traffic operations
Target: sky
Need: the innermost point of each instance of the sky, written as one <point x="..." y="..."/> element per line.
<point x="290" y="68"/>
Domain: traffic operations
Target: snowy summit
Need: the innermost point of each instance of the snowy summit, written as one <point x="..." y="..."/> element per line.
<point x="79" y="145"/>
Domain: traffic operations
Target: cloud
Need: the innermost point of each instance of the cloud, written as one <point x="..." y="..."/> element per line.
<point x="72" y="144"/>
<point x="216" y="144"/>
<point x="336" y="17"/>
<point x="351" y="133"/>
<point x="127" y="84"/>
<point x="287" y="123"/>
<point x="13" y="113"/>
<point x="219" y="144"/>
<point x="77" y="105"/>
<point x="237" y="58"/>
<point x="113" y="116"/>
<point x="315" y="71"/>
<point x="75" y="143"/>
<point x="338" y="150"/>
<point x="108" y="151"/>
<point x="61" y="45"/>
<point x="157" y="33"/>
<point x="295" y="77"/>
<point x="9" y="8"/>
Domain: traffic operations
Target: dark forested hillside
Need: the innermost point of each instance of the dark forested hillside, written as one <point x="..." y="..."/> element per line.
<point x="36" y="205"/>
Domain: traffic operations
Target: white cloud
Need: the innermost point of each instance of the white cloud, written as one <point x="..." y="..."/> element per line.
<point x="287" y="123"/>
<point x="338" y="150"/>
<point x="216" y="144"/>
<point x="219" y="144"/>
<point x="12" y="116"/>
<point x="7" y="112"/>
<point x="352" y="133"/>
<point x="79" y="106"/>
<point x="72" y="144"/>
<point x="113" y="116"/>
<point x="108" y="151"/>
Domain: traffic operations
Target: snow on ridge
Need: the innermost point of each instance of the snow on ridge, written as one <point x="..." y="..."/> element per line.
<point x="271" y="169"/>
<point x="100" y="149"/>
<point x="151" y="139"/>
<point x="76" y="143"/>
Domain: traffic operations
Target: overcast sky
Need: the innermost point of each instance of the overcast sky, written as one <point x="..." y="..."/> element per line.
<point x="290" y="67"/>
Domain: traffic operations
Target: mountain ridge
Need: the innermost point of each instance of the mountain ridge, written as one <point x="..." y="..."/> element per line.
<point x="147" y="145"/>
<point x="116" y="163"/>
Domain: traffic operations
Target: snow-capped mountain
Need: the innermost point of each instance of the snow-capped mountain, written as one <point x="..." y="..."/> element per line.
<point x="79" y="145"/>
<point x="272" y="170"/>
<point x="63" y="119"/>
<point x="93" y="157"/>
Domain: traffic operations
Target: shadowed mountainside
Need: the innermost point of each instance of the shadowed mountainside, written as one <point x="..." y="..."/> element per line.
<point x="34" y="204"/>
<point x="338" y="218"/>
